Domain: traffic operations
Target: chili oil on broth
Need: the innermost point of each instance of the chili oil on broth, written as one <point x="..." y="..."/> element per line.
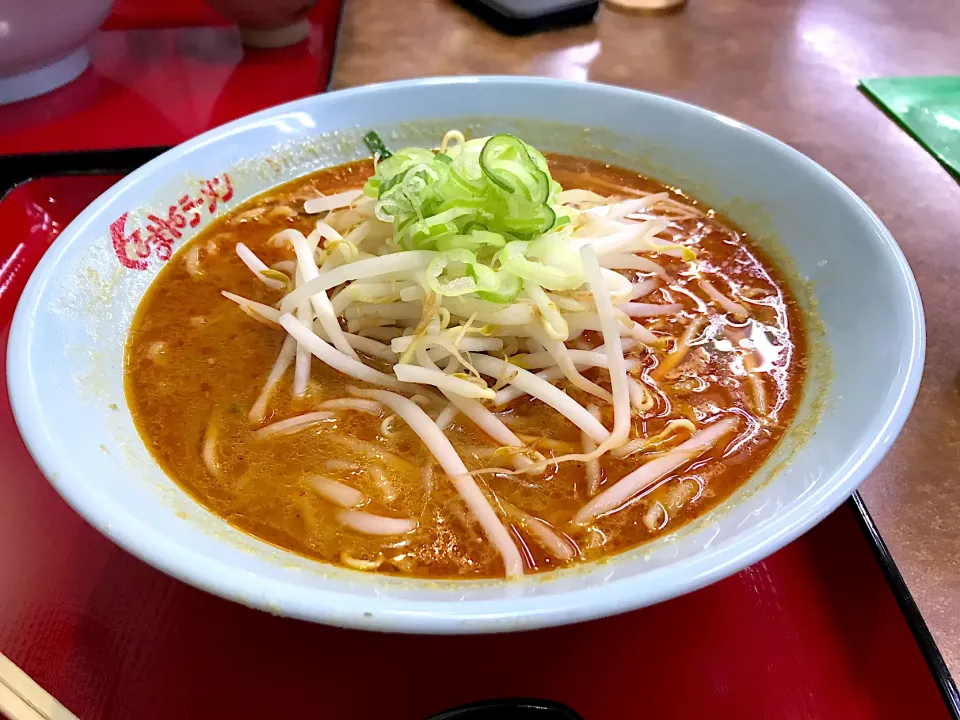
<point x="195" y="363"/>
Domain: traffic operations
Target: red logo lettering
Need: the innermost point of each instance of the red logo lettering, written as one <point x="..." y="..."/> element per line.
<point x="214" y="194"/>
<point x="161" y="232"/>
<point x="130" y="249"/>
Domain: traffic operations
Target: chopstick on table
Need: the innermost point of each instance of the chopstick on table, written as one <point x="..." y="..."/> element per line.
<point x="22" y="699"/>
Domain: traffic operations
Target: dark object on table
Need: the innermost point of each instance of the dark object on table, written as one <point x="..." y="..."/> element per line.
<point x="523" y="17"/>
<point x="510" y="709"/>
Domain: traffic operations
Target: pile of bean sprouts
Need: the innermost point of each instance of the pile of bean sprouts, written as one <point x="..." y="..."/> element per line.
<point x="355" y="299"/>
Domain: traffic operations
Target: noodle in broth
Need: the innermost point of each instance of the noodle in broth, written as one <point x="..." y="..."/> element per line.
<point x="375" y="398"/>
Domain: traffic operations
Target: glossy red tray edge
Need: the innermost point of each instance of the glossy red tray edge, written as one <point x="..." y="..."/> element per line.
<point x="109" y="164"/>
<point x="908" y="606"/>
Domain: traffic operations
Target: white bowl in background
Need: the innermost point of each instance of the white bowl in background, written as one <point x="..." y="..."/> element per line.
<point x="865" y="322"/>
<point x="42" y="44"/>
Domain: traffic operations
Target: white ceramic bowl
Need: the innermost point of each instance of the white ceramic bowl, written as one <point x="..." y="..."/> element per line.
<point x="866" y="345"/>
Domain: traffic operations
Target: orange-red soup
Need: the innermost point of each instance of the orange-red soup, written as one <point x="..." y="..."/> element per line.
<point x="195" y="363"/>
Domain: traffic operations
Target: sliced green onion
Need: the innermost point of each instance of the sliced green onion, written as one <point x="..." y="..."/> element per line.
<point x="375" y="145"/>
<point x="508" y="289"/>
<point x="485" y="276"/>
<point x="488" y="206"/>
<point x="513" y="259"/>
<point x="476" y="241"/>
<point x="507" y="162"/>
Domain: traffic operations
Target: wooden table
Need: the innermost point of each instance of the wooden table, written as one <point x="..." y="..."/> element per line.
<point x="790" y="68"/>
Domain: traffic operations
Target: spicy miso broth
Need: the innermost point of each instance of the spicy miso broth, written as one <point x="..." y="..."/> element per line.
<point x="468" y="366"/>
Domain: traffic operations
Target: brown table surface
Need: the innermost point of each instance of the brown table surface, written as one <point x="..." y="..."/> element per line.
<point x="790" y="68"/>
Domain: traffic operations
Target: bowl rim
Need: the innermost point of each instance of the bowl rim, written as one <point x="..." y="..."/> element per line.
<point x="497" y="615"/>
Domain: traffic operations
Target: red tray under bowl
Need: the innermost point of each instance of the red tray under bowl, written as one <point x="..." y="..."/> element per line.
<point x="814" y="631"/>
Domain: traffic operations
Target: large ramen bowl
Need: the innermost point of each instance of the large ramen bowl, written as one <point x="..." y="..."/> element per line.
<point x="864" y="321"/>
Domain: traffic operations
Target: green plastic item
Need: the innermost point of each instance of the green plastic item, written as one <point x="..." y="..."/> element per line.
<point x="928" y="108"/>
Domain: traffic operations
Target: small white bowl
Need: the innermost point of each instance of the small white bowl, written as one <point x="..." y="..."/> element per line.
<point x="42" y="44"/>
<point x="865" y="322"/>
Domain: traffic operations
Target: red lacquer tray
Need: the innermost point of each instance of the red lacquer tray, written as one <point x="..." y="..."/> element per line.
<point x="822" y="629"/>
